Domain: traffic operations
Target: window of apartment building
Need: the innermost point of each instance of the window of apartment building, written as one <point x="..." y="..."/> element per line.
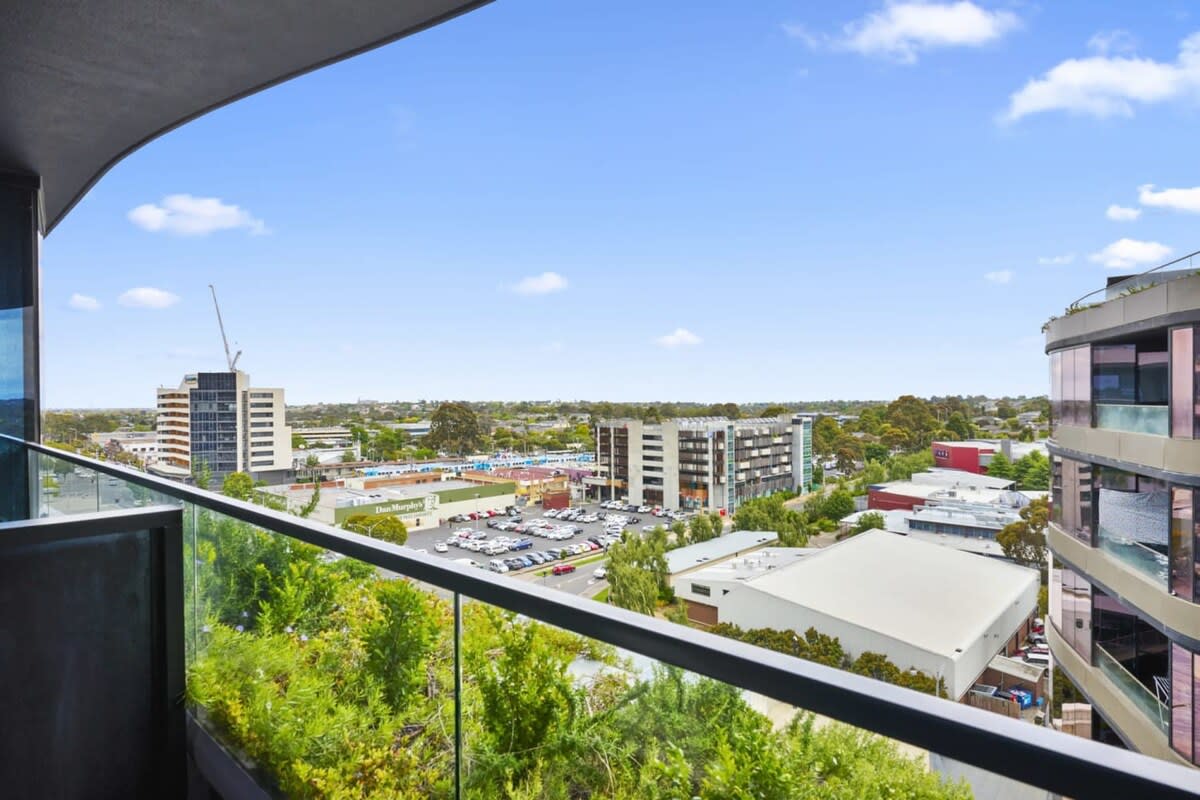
<point x="1185" y="383"/>
<point x="701" y="589"/>
<point x="261" y="463"/>
<point x="262" y="405"/>
<point x="1071" y="386"/>
<point x="262" y="414"/>
<point x="1070" y="598"/>
<point x="1121" y="637"/>
<point x="1185" y="727"/>
<point x="262" y="395"/>
<point x="261" y="425"/>
<point x="1071" y="498"/>
<point x="1183" y="543"/>
<point x="1133" y="521"/>
<point x="270" y="453"/>
<point x="260" y="434"/>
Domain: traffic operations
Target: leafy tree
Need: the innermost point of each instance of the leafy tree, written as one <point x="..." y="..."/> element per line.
<point x="348" y="456"/>
<point x="399" y="640"/>
<point x="201" y="474"/>
<point x="298" y="442"/>
<point x="637" y="571"/>
<point x="838" y="504"/>
<point x="904" y="466"/>
<point x="960" y="425"/>
<point x="915" y="418"/>
<point x="313" y="501"/>
<point x="1032" y="471"/>
<point x="775" y="411"/>
<point x="312" y="461"/>
<point x="1000" y="466"/>
<point x="1024" y="541"/>
<point x="387" y="527"/>
<point x="870" y="521"/>
<point x="703" y="527"/>
<point x="455" y="428"/>
<point x="770" y="514"/>
<point x="1005" y="411"/>
<point x="238" y="485"/>
<point x="826" y="433"/>
<point x="874" y="451"/>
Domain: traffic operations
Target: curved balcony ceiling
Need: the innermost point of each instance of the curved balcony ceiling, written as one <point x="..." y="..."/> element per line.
<point x="82" y="85"/>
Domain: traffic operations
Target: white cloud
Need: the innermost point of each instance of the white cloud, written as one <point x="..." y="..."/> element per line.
<point x="1115" y="41"/>
<point x="999" y="276"/>
<point x="82" y="302"/>
<point x="680" y="337"/>
<point x="147" y="297"/>
<point x="185" y="215"/>
<point x="1056" y="261"/>
<point x="1126" y="253"/>
<point x="545" y="283"/>
<point x="1122" y="214"/>
<point x="1104" y="86"/>
<point x="1174" y="199"/>
<point x="902" y="30"/>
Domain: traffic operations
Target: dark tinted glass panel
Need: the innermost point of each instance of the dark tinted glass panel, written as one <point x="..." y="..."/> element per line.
<point x="1183" y="378"/>
<point x="1114" y="376"/>
<point x="1056" y="375"/>
<point x="1183" y="562"/>
<point x="1152" y="380"/>
<point x="1072" y="497"/>
<point x="1181" y="701"/>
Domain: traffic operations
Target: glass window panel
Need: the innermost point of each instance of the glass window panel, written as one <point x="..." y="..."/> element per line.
<point x="1134" y="520"/>
<point x="1056" y="389"/>
<point x="1114" y="376"/>
<point x="1075" y="600"/>
<point x="1083" y="385"/>
<point x="1152" y="382"/>
<point x="1068" y="387"/>
<point x="1183" y="562"/>
<point x="1182" y="718"/>
<point x="1183" y="378"/>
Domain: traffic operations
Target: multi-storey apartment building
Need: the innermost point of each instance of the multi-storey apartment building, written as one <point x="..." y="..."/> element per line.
<point x="219" y="419"/>
<point x="1125" y="577"/>
<point x="703" y="463"/>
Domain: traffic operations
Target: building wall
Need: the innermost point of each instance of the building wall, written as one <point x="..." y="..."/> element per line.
<point x="750" y="608"/>
<point x="266" y="448"/>
<point x="887" y="501"/>
<point x="954" y="456"/>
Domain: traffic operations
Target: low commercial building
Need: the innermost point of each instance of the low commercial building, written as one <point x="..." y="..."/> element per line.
<point x="141" y="444"/>
<point x="684" y="560"/>
<point x="328" y="437"/>
<point x="936" y="485"/>
<point x="702" y="588"/>
<point x="702" y="463"/>
<point x="970" y="527"/>
<point x="531" y="482"/>
<point x="421" y="501"/>
<point x="974" y="455"/>
<point x="924" y="607"/>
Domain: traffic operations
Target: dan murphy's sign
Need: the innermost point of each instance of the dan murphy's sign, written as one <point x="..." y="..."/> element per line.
<point x="408" y="507"/>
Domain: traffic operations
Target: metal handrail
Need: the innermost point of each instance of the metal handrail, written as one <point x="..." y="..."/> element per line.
<point x="1032" y="754"/>
<point x="1132" y="278"/>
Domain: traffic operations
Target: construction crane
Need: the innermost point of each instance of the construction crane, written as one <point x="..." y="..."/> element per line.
<point x="232" y="361"/>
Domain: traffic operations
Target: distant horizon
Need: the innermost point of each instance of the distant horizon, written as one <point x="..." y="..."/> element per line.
<point x="789" y="403"/>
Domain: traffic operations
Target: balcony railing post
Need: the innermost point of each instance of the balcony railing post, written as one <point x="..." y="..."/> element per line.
<point x="458" y="723"/>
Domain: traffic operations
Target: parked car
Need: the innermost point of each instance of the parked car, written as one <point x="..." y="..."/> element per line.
<point x="563" y="569"/>
<point x="600" y="573"/>
<point x="441" y="547"/>
<point x="496" y="565"/>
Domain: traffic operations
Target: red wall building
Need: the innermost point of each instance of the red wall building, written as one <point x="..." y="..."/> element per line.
<point x="889" y="501"/>
<point x="961" y="455"/>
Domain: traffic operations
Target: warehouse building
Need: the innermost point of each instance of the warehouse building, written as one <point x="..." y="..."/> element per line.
<point x="924" y="607"/>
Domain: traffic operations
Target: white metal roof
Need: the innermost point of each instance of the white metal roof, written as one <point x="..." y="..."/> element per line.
<point x="694" y="555"/>
<point x="936" y="598"/>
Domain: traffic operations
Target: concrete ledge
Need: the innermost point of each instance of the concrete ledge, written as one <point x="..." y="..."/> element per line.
<point x="1133" y="725"/>
<point x="1136" y="449"/>
<point x="1175" y="302"/>
<point x="1176" y="615"/>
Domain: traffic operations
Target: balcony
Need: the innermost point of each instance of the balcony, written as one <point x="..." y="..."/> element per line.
<point x="235" y="641"/>
<point x="1146" y="700"/>
<point x="1149" y="419"/>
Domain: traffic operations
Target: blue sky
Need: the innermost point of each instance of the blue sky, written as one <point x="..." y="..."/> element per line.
<point x="746" y="201"/>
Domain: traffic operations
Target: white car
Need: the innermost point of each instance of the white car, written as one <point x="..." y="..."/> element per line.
<point x="441" y="547"/>
<point x="601" y="573"/>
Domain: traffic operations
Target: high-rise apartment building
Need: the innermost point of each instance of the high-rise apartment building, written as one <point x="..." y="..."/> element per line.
<point x="703" y="463"/>
<point x="1125" y="576"/>
<point x="219" y="419"/>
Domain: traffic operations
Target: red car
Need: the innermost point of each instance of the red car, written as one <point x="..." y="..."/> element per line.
<point x="563" y="569"/>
